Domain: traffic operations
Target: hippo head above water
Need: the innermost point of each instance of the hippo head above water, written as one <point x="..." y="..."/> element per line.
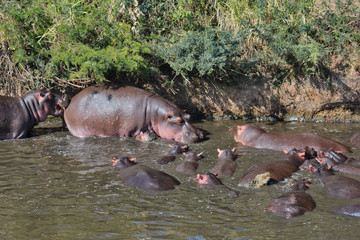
<point x="169" y="122"/>
<point x="44" y="102"/>
<point x="123" y="162"/>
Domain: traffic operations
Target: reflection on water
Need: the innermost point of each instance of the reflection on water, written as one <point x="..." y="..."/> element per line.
<point x="56" y="186"/>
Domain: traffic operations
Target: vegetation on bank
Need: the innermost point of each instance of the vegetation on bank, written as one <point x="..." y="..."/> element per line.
<point x="74" y="43"/>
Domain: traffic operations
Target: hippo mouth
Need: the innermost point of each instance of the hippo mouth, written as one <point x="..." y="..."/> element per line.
<point x="202" y="179"/>
<point x="190" y="137"/>
<point x="61" y="105"/>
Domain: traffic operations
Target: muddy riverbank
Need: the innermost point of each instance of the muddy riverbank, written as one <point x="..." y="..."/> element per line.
<point x="335" y="101"/>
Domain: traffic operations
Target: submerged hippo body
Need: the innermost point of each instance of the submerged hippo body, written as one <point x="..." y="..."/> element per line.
<point x="352" y="210"/>
<point x="18" y="115"/>
<point x="226" y="165"/>
<point x="337" y="186"/>
<point x="190" y="163"/>
<point x="142" y="176"/>
<point x="252" y="136"/>
<point x="110" y="111"/>
<point x="294" y="203"/>
<point x="276" y="170"/>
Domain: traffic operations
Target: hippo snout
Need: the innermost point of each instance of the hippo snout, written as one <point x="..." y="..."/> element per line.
<point x="191" y="136"/>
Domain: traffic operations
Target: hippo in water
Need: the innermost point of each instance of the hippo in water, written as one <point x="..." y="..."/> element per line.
<point x="294" y="203"/>
<point x="18" y="115"/>
<point x="275" y="170"/>
<point x="253" y="136"/>
<point x="337" y="186"/>
<point x="226" y="165"/>
<point x="210" y="179"/>
<point x="126" y="111"/>
<point x="142" y="176"/>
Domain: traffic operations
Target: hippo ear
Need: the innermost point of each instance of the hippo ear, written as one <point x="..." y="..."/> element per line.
<point x="233" y="150"/>
<point x="186" y="117"/>
<point x="218" y="150"/>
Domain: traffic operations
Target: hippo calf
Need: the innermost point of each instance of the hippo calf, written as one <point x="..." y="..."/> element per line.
<point x="253" y="136"/>
<point x="142" y="176"/>
<point x="18" y="115"/>
<point x="126" y="111"/>
<point x="226" y="165"/>
<point x="294" y="203"/>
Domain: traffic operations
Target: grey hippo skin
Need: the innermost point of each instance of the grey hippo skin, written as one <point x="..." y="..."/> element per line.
<point x="126" y="111"/>
<point x="253" y="136"/>
<point x="18" y="115"/>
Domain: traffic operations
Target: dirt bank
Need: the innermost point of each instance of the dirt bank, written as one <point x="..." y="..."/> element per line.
<point x="338" y="101"/>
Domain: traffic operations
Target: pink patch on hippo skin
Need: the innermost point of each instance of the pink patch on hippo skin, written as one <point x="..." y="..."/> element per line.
<point x="201" y="179"/>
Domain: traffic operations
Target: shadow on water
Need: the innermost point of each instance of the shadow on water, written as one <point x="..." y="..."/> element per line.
<point x="57" y="186"/>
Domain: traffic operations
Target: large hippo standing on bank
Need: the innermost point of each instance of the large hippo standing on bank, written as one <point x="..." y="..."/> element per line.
<point x="18" y="115"/>
<point x="253" y="136"/>
<point x="126" y="111"/>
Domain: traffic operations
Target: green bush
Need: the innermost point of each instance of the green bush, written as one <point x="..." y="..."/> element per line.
<point x="72" y="39"/>
<point x="203" y="53"/>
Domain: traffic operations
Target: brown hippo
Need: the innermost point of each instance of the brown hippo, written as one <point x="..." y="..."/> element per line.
<point x="253" y="136"/>
<point x="276" y="170"/>
<point x="171" y="155"/>
<point x="294" y="203"/>
<point x="142" y="176"/>
<point x="226" y="165"/>
<point x="210" y="179"/>
<point x="18" y="115"/>
<point x="190" y="163"/>
<point x="337" y="186"/>
<point x="352" y="210"/>
<point x="355" y="140"/>
<point x="340" y="167"/>
<point x="126" y="111"/>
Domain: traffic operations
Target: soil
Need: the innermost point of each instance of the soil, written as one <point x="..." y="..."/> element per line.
<point x="335" y="101"/>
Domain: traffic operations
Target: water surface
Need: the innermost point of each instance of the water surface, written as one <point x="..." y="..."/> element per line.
<point x="57" y="186"/>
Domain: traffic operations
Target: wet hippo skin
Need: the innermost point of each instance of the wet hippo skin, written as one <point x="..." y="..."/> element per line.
<point x="355" y="140"/>
<point x="278" y="170"/>
<point x="226" y="165"/>
<point x="210" y="179"/>
<point x="335" y="185"/>
<point x="190" y="163"/>
<point x="352" y="210"/>
<point x="294" y="203"/>
<point x="142" y="176"/>
<point x="171" y="155"/>
<point x="126" y="111"/>
<point x="18" y="115"/>
<point x="253" y="136"/>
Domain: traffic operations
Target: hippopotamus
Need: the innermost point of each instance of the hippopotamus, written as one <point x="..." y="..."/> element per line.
<point x="340" y="167"/>
<point x="294" y="203"/>
<point x="18" y="115"/>
<point x="142" y="176"/>
<point x="104" y="110"/>
<point x="352" y="210"/>
<point x="355" y="140"/>
<point x="226" y="165"/>
<point x="253" y="136"/>
<point x="171" y="155"/>
<point x="276" y="170"/>
<point x="337" y="186"/>
<point x="145" y="136"/>
<point x="190" y="163"/>
<point x="210" y="179"/>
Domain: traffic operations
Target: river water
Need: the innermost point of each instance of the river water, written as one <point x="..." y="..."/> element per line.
<point x="56" y="186"/>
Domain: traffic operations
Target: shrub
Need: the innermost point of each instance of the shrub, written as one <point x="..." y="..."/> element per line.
<point x="203" y="53"/>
